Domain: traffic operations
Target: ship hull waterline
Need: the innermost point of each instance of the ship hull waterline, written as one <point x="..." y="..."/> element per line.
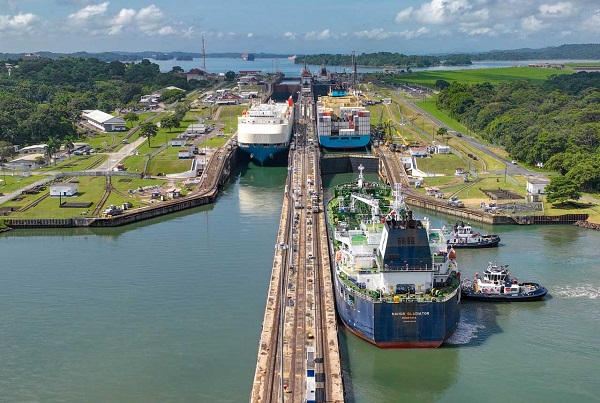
<point x="360" y="142"/>
<point x="420" y="323"/>
<point x="264" y="154"/>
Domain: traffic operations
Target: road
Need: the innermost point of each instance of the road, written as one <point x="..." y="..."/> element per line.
<point x="511" y="169"/>
<point x="116" y="157"/>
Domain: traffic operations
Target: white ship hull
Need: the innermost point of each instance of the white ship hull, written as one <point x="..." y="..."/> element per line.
<point x="265" y="130"/>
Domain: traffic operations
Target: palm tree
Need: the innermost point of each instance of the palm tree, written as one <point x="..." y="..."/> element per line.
<point x="52" y="146"/>
<point x="69" y="145"/>
<point x="148" y="130"/>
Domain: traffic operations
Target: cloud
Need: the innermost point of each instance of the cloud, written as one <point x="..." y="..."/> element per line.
<point x="403" y="15"/>
<point x="381" y="34"/>
<point x="89" y="12"/>
<point x="167" y="30"/>
<point x="289" y="35"/>
<point x="149" y="19"/>
<point x="18" y="23"/>
<point x="439" y="11"/>
<point x="250" y="35"/>
<point x="592" y="23"/>
<point x="318" y="36"/>
<point x="123" y="18"/>
<point x="474" y="30"/>
<point x="558" y="10"/>
<point x="532" y="24"/>
<point x="97" y="21"/>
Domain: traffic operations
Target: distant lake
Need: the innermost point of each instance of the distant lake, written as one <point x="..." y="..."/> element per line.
<point x="289" y="68"/>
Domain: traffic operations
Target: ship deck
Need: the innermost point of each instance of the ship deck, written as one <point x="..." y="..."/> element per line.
<point x="441" y="293"/>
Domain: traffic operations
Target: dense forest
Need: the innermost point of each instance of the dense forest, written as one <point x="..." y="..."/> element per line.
<point x="44" y="98"/>
<point x="590" y="51"/>
<point x="385" y="59"/>
<point x="556" y="123"/>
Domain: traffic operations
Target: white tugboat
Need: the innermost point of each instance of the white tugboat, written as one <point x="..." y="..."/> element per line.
<point x="463" y="236"/>
<point x="497" y="285"/>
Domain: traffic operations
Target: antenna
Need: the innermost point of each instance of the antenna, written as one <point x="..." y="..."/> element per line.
<point x="353" y="70"/>
<point x="203" y="55"/>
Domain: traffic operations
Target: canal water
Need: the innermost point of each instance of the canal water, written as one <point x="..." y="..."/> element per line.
<point x="171" y="310"/>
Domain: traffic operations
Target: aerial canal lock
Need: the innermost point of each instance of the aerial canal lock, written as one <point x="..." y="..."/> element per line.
<point x="298" y="357"/>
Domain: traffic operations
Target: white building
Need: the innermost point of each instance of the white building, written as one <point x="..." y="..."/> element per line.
<point x="537" y="185"/>
<point x="418" y="151"/>
<point x="196" y="128"/>
<point x="178" y="142"/>
<point x="26" y="162"/>
<point x="184" y="154"/>
<point x="104" y="121"/>
<point x="34" y="149"/>
<point x="63" y="189"/>
<point x="441" y="149"/>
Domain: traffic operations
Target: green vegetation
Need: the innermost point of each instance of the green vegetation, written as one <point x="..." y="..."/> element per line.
<point x="555" y="123"/>
<point x="91" y="189"/>
<point x="76" y="163"/>
<point x="11" y="183"/>
<point x="441" y="164"/>
<point x="44" y="98"/>
<point x="386" y="59"/>
<point x="477" y="76"/>
<point x="167" y="162"/>
<point x="229" y="116"/>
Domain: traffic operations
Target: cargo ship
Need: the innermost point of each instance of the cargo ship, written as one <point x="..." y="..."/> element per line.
<point x="397" y="285"/>
<point x="248" y="57"/>
<point x="265" y="130"/>
<point x="342" y="122"/>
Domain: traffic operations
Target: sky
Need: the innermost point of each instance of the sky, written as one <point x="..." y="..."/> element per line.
<point x="294" y="27"/>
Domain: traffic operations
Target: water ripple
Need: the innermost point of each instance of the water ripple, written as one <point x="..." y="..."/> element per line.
<point x="579" y="291"/>
<point x="465" y="332"/>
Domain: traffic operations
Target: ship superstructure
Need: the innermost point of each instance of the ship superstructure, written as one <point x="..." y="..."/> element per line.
<point x="264" y="130"/>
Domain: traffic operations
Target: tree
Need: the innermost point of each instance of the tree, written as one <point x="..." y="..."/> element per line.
<point x="562" y="189"/>
<point x="229" y="76"/>
<point x="131" y="117"/>
<point x="168" y="122"/>
<point x="441" y="84"/>
<point x="170" y="96"/>
<point x="148" y="130"/>
<point x="7" y="150"/>
<point x="52" y="146"/>
<point x="69" y="144"/>
<point x="442" y="131"/>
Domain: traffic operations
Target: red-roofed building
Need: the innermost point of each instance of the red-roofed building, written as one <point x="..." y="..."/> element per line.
<point x="229" y="99"/>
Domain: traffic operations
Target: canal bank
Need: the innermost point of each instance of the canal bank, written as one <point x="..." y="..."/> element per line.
<point x="221" y="165"/>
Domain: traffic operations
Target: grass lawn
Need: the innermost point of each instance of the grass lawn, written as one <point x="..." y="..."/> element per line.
<point x="100" y="141"/>
<point x="579" y="207"/>
<point x="441" y="164"/>
<point x="124" y="185"/>
<point x="168" y="162"/>
<point x="90" y="189"/>
<point x="11" y="183"/>
<point x="229" y="115"/>
<point x="492" y="164"/>
<point x="75" y="163"/>
<point x="216" y="141"/>
<point x="474" y="76"/>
